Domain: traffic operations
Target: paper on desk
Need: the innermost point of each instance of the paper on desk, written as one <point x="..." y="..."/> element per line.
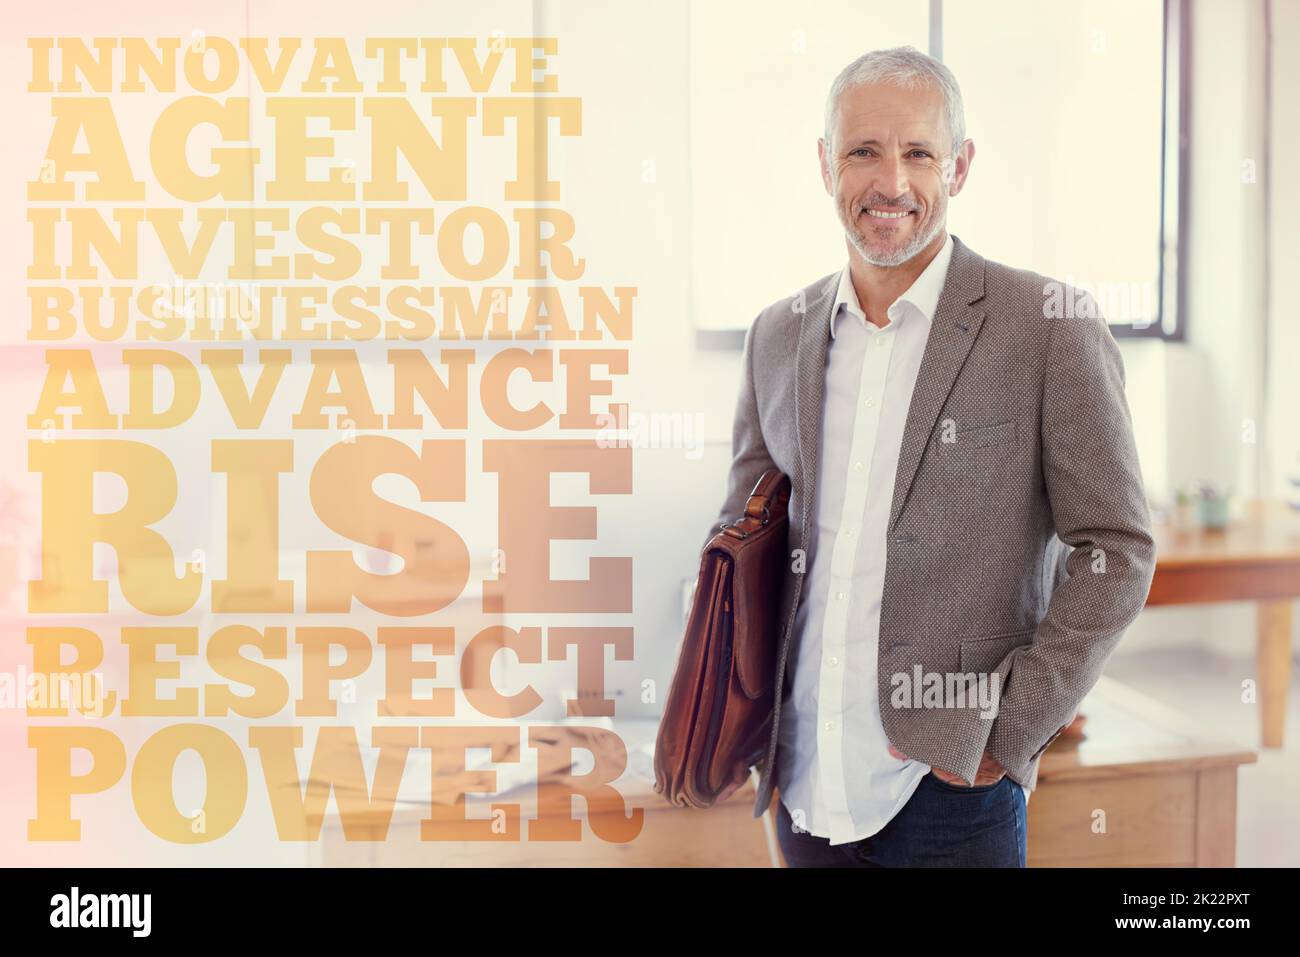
<point x="536" y="757"/>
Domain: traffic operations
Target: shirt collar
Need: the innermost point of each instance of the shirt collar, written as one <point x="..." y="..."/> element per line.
<point x="923" y="294"/>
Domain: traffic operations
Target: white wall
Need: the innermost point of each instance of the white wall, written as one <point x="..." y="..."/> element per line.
<point x="1284" y="249"/>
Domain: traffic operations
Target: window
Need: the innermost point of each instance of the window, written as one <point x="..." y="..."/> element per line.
<point x="1076" y="113"/>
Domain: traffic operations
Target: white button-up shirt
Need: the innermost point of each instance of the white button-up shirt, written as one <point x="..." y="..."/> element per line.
<point x="837" y="777"/>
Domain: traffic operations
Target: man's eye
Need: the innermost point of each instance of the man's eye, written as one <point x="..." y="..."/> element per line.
<point x="920" y="153"/>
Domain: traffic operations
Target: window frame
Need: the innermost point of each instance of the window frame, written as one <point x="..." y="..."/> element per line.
<point x="1170" y="323"/>
<point x="1171" y="316"/>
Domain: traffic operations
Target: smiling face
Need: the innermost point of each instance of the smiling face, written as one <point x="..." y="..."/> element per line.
<point x="890" y="169"/>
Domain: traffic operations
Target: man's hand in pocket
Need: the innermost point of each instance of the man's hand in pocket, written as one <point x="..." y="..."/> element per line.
<point x="989" y="771"/>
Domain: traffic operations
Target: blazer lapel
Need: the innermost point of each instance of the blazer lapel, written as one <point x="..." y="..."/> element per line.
<point x="952" y="333"/>
<point x="810" y="389"/>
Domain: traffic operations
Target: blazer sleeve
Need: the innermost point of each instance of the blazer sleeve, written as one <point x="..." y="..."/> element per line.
<point x="749" y="455"/>
<point x="1098" y="506"/>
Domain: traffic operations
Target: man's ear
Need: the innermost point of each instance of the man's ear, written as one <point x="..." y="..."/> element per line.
<point x="826" y="170"/>
<point x="960" y="167"/>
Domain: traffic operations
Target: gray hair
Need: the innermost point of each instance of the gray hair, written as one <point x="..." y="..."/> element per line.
<point x="907" y="67"/>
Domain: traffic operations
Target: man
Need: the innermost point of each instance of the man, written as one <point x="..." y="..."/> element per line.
<point x="945" y="433"/>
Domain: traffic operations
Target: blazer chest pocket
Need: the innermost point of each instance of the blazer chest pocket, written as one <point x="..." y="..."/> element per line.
<point x="983" y="655"/>
<point x="975" y="437"/>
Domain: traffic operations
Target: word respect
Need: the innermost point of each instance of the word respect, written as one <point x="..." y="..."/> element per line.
<point x="327" y="660"/>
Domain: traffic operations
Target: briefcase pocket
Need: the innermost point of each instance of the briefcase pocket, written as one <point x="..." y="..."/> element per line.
<point x="757" y="607"/>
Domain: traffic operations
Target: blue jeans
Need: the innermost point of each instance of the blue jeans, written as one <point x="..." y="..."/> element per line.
<point x="941" y="825"/>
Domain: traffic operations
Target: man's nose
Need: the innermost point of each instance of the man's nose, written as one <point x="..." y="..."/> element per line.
<point x="891" y="177"/>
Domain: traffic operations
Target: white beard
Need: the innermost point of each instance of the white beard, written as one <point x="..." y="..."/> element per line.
<point x="913" y="246"/>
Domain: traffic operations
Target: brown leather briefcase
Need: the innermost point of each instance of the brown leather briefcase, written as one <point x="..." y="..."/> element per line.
<point x="719" y="708"/>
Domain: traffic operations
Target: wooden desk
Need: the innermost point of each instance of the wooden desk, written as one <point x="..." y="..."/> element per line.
<point x="1257" y="558"/>
<point x="727" y="835"/>
<point x="1145" y="787"/>
<point x="723" y="836"/>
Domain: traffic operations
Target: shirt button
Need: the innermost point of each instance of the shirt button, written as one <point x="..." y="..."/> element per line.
<point x="829" y="725"/>
<point x="880" y="341"/>
<point x="839" y="596"/>
<point x="834" y="662"/>
<point x="857" y="466"/>
<point x="848" y="533"/>
<point x="868" y="402"/>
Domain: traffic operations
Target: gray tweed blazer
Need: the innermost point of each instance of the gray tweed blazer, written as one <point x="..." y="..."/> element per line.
<point x="1019" y="539"/>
